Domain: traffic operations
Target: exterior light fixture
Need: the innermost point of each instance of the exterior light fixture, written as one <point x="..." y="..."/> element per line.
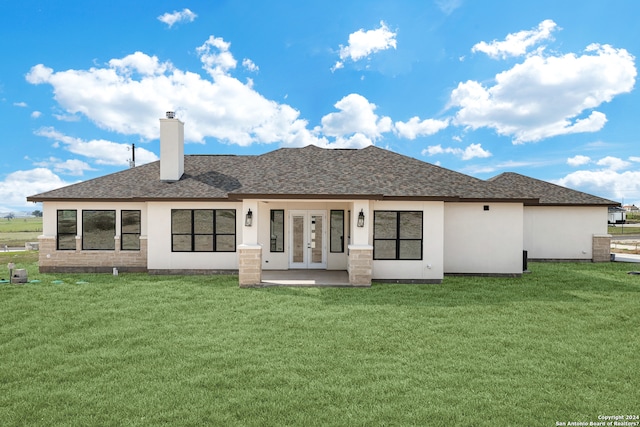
<point x="361" y="219"/>
<point x="248" y="221"/>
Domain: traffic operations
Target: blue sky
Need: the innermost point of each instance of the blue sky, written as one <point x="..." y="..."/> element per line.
<point x="542" y="88"/>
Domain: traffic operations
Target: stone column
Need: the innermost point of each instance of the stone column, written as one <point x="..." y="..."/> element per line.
<point x="249" y="265"/>
<point x="601" y="248"/>
<point x="360" y="265"/>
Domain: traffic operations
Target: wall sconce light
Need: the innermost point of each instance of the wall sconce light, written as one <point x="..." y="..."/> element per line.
<point x="249" y="219"/>
<point x="361" y="219"/>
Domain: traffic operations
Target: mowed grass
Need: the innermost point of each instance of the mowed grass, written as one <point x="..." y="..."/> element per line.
<point x="624" y="229"/>
<point x="17" y="231"/>
<point x="559" y="344"/>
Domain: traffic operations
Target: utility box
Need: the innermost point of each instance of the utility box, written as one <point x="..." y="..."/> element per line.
<point x="19" y="276"/>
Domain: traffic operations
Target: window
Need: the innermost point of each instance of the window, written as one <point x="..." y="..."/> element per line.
<point x="277" y="230"/>
<point x="130" y="231"/>
<point x="98" y="230"/>
<point x="397" y="235"/>
<point x="203" y="230"/>
<point x="67" y="230"/>
<point x="336" y="227"/>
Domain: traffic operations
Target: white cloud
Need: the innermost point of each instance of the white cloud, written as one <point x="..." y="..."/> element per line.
<point x="415" y="128"/>
<point x="249" y="65"/>
<point x="356" y="118"/>
<point x="215" y="56"/>
<point x="611" y="180"/>
<point x="613" y="163"/>
<point x="130" y="94"/>
<point x="507" y="165"/>
<point x="634" y="159"/>
<point x="448" y="6"/>
<point x="609" y="183"/>
<point x="547" y="96"/>
<point x="177" y="16"/>
<point x="103" y="152"/>
<point x="140" y="63"/>
<point x="364" y="43"/>
<point x="73" y="167"/>
<point x="20" y="104"/>
<point x="578" y="160"/>
<point x="18" y="185"/>
<point x="517" y="44"/>
<point x="35" y="114"/>
<point x="67" y="117"/>
<point x="472" y="151"/>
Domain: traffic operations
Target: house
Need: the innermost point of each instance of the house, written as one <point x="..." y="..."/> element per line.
<point x="376" y="214"/>
<point x="617" y="215"/>
<point x="631" y="208"/>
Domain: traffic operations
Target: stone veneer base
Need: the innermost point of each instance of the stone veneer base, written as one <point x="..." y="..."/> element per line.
<point x="249" y="266"/>
<point x="601" y="248"/>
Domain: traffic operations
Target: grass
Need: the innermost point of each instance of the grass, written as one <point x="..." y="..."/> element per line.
<point x="17" y="231"/>
<point x="559" y="344"/>
<point x="624" y="229"/>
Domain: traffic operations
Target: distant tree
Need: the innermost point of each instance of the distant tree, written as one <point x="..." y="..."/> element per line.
<point x="37" y="214"/>
<point x="10" y="216"/>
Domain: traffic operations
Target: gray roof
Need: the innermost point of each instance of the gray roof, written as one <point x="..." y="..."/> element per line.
<point x="548" y="194"/>
<point x="309" y="172"/>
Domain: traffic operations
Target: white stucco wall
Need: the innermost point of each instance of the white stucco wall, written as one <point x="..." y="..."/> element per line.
<point x="483" y="242"/>
<point x="159" y="239"/>
<point x="431" y="265"/>
<point x="562" y="232"/>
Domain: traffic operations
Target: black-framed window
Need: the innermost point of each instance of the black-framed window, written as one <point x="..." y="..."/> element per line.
<point x="130" y="228"/>
<point x="98" y="230"/>
<point x="203" y="230"/>
<point x="397" y="235"/>
<point x="67" y="229"/>
<point x="336" y="231"/>
<point x="277" y="230"/>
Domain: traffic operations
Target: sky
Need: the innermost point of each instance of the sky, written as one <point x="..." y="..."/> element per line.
<point x="543" y="88"/>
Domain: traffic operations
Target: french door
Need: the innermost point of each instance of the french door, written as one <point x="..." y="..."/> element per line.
<point x="307" y="239"/>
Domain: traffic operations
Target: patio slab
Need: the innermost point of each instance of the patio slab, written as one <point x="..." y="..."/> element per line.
<point x="305" y="278"/>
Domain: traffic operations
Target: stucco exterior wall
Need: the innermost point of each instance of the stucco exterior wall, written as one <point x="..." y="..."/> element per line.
<point x="559" y="232"/>
<point x="478" y="241"/>
<point x="431" y="267"/>
<point x="159" y="240"/>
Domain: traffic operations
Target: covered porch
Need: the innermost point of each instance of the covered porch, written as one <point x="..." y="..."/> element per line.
<point x="305" y="243"/>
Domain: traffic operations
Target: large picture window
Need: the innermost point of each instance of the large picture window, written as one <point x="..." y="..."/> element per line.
<point x="67" y="230"/>
<point x="203" y="230"/>
<point x="336" y="227"/>
<point x="98" y="230"/>
<point x="277" y="230"/>
<point x="397" y="235"/>
<point x="130" y="230"/>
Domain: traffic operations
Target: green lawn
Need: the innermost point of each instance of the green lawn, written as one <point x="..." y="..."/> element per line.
<point x="17" y="231"/>
<point x="559" y="344"/>
<point x="624" y="229"/>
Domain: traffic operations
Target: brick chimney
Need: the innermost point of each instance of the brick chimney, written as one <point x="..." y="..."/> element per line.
<point x="171" y="148"/>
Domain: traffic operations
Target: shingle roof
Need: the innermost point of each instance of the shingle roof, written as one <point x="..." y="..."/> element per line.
<point x="308" y="172"/>
<point x="546" y="192"/>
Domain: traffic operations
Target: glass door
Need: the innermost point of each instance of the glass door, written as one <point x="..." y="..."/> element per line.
<point x="308" y="239"/>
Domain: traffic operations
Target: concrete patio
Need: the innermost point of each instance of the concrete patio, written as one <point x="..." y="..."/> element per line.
<point x="305" y="278"/>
